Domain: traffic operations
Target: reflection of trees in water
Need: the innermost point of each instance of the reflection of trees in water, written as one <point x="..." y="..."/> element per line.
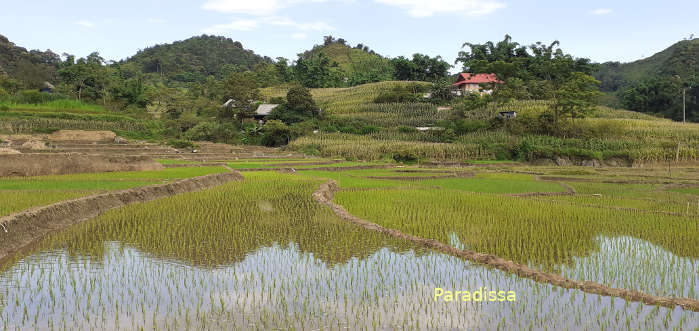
<point x="526" y="231"/>
<point x="222" y="225"/>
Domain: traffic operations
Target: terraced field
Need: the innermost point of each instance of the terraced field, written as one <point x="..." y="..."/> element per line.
<point x="263" y="253"/>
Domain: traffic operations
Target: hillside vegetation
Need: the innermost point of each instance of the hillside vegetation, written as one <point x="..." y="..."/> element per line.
<point x="30" y="67"/>
<point x="654" y="85"/>
<point x="357" y="64"/>
<point x="194" y="59"/>
<point x="361" y="129"/>
<point x="675" y="60"/>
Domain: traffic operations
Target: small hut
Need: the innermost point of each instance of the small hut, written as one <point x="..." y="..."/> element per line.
<point x="508" y="114"/>
<point x="47" y="88"/>
<point x="264" y="110"/>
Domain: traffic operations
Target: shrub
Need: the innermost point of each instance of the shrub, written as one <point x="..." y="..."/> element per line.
<point x="46" y="130"/>
<point x="467" y="126"/>
<point x="35" y="97"/>
<point x="277" y="100"/>
<point x="405" y="156"/>
<point x="201" y="131"/>
<point x="179" y="143"/>
<point x="368" y="129"/>
<point x="276" y="133"/>
<point x="4" y="108"/>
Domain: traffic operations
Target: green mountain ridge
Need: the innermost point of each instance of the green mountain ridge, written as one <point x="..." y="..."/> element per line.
<point x="33" y="67"/>
<point x="194" y="59"/>
<point x="678" y="59"/>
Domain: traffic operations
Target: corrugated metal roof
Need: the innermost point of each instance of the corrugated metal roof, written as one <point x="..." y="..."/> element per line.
<point x="228" y="103"/>
<point x="265" y="109"/>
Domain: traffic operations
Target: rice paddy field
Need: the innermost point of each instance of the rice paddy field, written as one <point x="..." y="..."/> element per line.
<point x="262" y="254"/>
<point x="20" y="193"/>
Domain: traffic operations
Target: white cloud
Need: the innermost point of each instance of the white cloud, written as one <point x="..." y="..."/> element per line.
<point x="85" y="24"/>
<point x="299" y="36"/>
<point x="255" y="23"/>
<point x="601" y="11"/>
<point x="425" y="8"/>
<point x="254" y="7"/>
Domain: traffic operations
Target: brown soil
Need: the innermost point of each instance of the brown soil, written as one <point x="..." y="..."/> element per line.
<point x="8" y="151"/>
<point x="325" y="193"/>
<point x="569" y="191"/>
<point x="287" y="169"/>
<point x="407" y="178"/>
<point x="59" y="164"/>
<point x="412" y="171"/>
<point x="184" y="165"/>
<point x="24" y="228"/>
<point x="466" y="164"/>
<point x="609" y="181"/>
<point x="303" y="163"/>
<point x="34" y="145"/>
<point x="348" y="168"/>
<point x="80" y="135"/>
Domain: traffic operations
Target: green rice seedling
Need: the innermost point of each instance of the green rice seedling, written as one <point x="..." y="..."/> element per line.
<point x="20" y="193"/>
<point x="15" y="201"/>
<point x="533" y="232"/>
<point x="262" y="254"/>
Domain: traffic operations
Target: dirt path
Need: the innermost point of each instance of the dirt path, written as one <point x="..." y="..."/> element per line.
<point x="569" y="191"/>
<point x="325" y="194"/>
<point x="415" y="178"/>
<point x="22" y="229"/>
<point x="291" y="169"/>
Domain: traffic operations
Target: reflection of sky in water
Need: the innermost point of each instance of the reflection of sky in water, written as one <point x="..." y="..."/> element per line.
<point x="280" y="287"/>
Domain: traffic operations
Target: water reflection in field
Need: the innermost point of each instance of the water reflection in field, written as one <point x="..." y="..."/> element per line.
<point x="279" y="287"/>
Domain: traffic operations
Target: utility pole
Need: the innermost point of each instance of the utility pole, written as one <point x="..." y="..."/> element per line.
<point x="684" y="105"/>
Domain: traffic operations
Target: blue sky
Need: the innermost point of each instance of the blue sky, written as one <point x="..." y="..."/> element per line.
<point x="600" y="30"/>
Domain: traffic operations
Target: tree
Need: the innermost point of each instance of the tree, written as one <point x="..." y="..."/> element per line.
<point x="420" y="67"/>
<point x="441" y="90"/>
<point x="241" y="87"/>
<point x="299" y="106"/>
<point x="404" y="68"/>
<point x="284" y="72"/>
<point x="318" y="71"/>
<point x="276" y="133"/>
<point x="576" y="96"/>
<point x="86" y="77"/>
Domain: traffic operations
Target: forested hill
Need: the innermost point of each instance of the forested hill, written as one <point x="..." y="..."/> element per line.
<point x="31" y="67"/>
<point x="196" y="58"/>
<point x="678" y="59"/>
<point x="655" y="84"/>
<point x="358" y="64"/>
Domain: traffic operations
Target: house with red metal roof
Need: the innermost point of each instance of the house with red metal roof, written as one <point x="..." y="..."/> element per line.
<point x="473" y="83"/>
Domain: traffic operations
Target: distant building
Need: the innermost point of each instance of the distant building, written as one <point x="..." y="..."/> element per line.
<point x="264" y="110"/>
<point x="470" y="83"/>
<point x="47" y="87"/>
<point x="228" y="104"/>
<point x="429" y="128"/>
<point x="508" y="114"/>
